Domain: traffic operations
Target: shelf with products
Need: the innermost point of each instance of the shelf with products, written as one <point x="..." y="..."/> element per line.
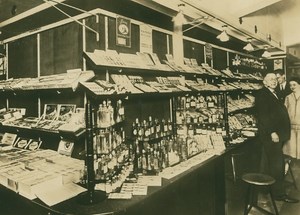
<point x="109" y="153"/>
<point x="249" y="66"/>
<point x="153" y="145"/>
<point x="59" y="82"/>
<point x="148" y="63"/>
<point x="64" y="120"/>
<point x="122" y="86"/>
<point x="200" y="122"/>
<point x="197" y="122"/>
<point x="34" y="94"/>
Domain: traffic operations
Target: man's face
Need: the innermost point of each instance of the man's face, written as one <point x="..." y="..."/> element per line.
<point x="270" y="81"/>
<point x="280" y="78"/>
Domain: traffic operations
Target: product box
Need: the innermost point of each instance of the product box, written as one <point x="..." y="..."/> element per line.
<point x="22" y="143"/>
<point x="9" y="139"/>
<point x="27" y="186"/>
<point x="65" y="147"/>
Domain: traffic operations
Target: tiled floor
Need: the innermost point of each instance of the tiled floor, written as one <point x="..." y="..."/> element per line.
<point x="236" y="196"/>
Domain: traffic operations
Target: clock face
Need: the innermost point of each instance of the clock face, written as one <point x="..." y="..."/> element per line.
<point x="123" y="29"/>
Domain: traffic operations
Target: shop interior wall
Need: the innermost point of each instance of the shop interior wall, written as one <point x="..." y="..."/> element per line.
<point x="61" y="49"/>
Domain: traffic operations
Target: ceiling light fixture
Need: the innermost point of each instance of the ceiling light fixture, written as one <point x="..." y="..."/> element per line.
<point x="266" y="54"/>
<point x="179" y="19"/>
<point x="249" y="47"/>
<point x="223" y="37"/>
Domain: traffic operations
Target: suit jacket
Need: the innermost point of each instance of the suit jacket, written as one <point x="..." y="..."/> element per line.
<point x="283" y="93"/>
<point x="272" y="116"/>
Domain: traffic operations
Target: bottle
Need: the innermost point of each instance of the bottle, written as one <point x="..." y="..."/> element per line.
<point x="141" y="132"/>
<point x="138" y="158"/>
<point x="144" y="162"/>
<point x="170" y="127"/>
<point x="152" y="128"/>
<point x="164" y="128"/>
<point x="188" y="103"/>
<point x="219" y="129"/>
<point x="191" y="131"/>
<point x="193" y="102"/>
<point x="134" y="133"/>
<point x="198" y="129"/>
<point x="110" y="110"/>
<point x="122" y="131"/>
<point x="146" y="131"/>
<point x="156" y="161"/>
<point x="149" y="159"/>
<point x="157" y="128"/>
<point x="104" y="116"/>
<point x="121" y="111"/>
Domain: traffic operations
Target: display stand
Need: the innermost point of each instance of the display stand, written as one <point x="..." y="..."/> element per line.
<point x="91" y="196"/>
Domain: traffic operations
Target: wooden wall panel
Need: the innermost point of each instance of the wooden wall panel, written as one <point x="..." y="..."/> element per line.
<point x="219" y="59"/>
<point x="194" y="50"/>
<point x="160" y="44"/>
<point x="25" y="100"/>
<point x="22" y="58"/>
<point x="61" y="49"/>
<point x="91" y="39"/>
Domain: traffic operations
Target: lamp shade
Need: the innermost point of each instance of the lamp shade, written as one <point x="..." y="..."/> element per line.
<point x="249" y="47"/>
<point x="266" y="54"/>
<point x="223" y="37"/>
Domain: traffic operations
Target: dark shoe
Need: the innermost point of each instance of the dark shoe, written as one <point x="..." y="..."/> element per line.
<point x="286" y="199"/>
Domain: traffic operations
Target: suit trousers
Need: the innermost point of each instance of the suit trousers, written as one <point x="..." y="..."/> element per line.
<point x="272" y="163"/>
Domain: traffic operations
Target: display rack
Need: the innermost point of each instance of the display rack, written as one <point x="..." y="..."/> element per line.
<point x="127" y="82"/>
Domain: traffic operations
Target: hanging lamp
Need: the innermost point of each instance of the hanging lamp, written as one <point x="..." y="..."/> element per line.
<point x="266" y="54"/>
<point x="223" y="36"/>
<point x="249" y="47"/>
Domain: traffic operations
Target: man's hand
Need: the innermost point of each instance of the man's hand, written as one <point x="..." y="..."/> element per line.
<point x="275" y="137"/>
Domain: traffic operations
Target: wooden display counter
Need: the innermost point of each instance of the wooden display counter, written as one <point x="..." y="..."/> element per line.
<point x="199" y="190"/>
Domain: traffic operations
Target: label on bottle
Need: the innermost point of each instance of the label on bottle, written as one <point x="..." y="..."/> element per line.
<point x="210" y="104"/>
<point x="165" y="127"/>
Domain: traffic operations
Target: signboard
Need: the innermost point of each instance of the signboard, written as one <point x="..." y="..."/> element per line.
<point x="208" y="51"/>
<point x="146" y="39"/>
<point x="123" y="31"/>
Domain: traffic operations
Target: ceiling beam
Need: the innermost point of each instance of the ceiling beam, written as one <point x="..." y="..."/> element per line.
<point x="27" y="13"/>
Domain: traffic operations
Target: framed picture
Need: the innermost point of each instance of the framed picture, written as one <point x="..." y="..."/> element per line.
<point x="65" y="112"/>
<point x="50" y="111"/>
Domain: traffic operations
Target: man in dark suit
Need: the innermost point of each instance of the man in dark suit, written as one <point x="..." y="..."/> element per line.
<point x="283" y="89"/>
<point x="273" y="130"/>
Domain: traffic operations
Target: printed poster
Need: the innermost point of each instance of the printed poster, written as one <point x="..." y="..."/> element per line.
<point x="145" y="39"/>
<point x="123" y="30"/>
